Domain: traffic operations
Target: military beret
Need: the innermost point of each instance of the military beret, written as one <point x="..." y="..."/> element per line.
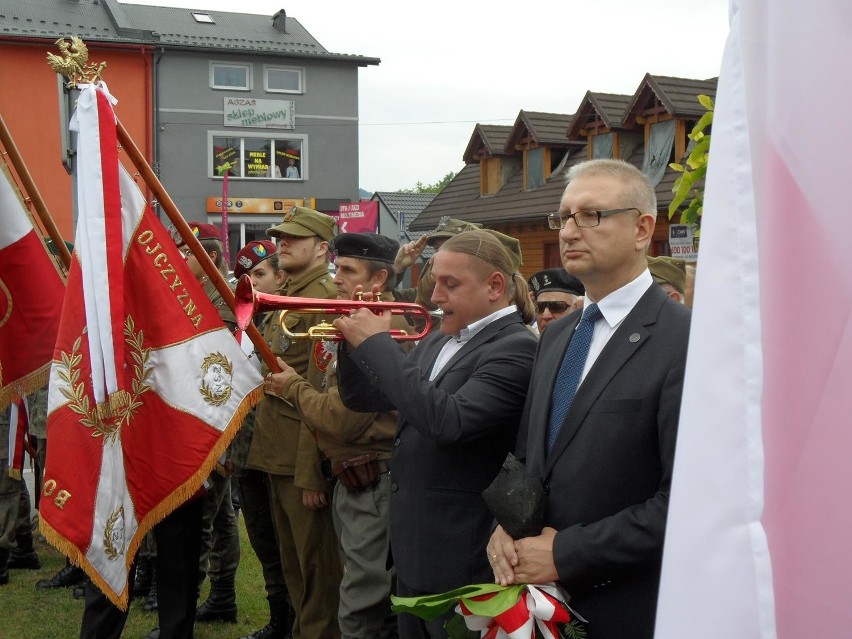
<point x="301" y="221"/>
<point x="555" y="279"/>
<point x="668" y="269"/>
<point x="365" y="246"/>
<point x="251" y="255"/>
<point x="448" y="227"/>
<point x="200" y="230"/>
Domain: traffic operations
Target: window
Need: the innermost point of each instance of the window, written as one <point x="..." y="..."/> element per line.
<point x="535" y="168"/>
<point x="230" y="76"/>
<point x="260" y="157"/>
<point x="283" y="80"/>
<point x="203" y="18"/>
<point x="602" y="146"/>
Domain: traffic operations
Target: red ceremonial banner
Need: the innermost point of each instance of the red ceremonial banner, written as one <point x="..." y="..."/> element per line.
<point x="31" y="292"/>
<point x="120" y="463"/>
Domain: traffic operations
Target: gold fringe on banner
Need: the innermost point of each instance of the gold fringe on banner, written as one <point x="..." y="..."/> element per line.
<point x="28" y="384"/>
<point x="179" y="496"/>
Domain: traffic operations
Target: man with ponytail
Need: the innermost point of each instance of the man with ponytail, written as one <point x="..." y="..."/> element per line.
<point x="459" y="395"/>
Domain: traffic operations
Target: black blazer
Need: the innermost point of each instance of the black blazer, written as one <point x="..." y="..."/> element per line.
<point x="609" y="472"/>
<point x="452" y="436"/>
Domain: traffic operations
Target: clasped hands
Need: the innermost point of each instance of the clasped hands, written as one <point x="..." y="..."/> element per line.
<point x="363" y="323"/>
<point x="522" y="561"/>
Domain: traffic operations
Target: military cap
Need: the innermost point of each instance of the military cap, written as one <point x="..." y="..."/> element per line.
<point x="251" y="255"/>
<point x="512" y="246"/>
<point x="555" y="279"/>
<point x="301" y="221"/>
<point x="448" y="227"/>
<point x="365" y="246"/>
<point x="200" y="230"/>
<point x="668" y="269"/>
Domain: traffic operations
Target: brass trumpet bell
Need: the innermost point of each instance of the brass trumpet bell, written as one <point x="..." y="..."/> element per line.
<point x="250" y="302"/>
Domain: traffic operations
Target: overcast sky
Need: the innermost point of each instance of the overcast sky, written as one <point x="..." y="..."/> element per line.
<point x="448" y="65"/>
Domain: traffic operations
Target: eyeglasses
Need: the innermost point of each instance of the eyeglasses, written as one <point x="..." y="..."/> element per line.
<point x="554" y="307"/>
<point x="583" y="219"/>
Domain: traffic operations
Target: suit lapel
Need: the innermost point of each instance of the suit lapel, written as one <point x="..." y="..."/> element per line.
<point x="634" y="332"/>
<point x="427" y="353"/>
<point x="483" y="336"/>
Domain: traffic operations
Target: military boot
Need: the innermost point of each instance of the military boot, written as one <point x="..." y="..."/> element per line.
<point x="144" y="577"/>
<point x="150" y="604"/>
<point x="221" y="605"/>
<point x="4" y="566"/>
<point x="23" y="556"/>
<point x="280" y="624"/>
<point x="68" y="576"/>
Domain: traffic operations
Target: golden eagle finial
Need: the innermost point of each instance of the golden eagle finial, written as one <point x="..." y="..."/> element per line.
<point x="73" y="62"/>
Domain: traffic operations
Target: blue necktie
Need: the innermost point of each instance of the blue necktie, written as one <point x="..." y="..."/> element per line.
<point x="570" y="371"/>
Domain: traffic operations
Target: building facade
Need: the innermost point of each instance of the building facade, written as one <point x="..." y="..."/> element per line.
<point x="199" y="91"/>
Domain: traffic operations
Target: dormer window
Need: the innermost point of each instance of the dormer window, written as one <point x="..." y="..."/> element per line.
<point x="534" y="160"/>
<point x="659" y="150"/>
<point x="602" y="146"/>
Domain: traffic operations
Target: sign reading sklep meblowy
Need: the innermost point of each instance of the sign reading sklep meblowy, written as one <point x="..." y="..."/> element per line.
<point x="265" y="114"/>
<point x="682" y="241"/>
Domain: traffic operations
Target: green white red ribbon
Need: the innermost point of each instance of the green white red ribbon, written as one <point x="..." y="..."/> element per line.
<point x="497" y="612"/>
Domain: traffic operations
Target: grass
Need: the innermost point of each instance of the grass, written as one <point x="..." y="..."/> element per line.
<point x="27" y="612"/>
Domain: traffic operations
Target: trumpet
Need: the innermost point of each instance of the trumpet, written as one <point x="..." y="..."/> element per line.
<point x="249" y="302"/>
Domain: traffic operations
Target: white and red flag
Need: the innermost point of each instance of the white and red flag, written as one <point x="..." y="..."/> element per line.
<point x="760" y="518"/>
<point x="31" y="291"/>
<point x="147" y="386"/>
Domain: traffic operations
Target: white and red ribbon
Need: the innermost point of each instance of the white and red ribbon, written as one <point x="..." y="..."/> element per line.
<point x="539" y="607"/>
<point x="99" y="238"/>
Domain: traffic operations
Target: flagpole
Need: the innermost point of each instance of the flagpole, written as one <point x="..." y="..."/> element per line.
<point x="32" y="193"/>
<point x="190" y="240"/>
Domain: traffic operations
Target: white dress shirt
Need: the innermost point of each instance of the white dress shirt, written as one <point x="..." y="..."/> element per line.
<point x="614" y="308"/>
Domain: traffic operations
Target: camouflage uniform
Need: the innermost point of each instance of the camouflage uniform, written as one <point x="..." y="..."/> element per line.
<point x="16" y="533"/>
<point x="283" y="448"/>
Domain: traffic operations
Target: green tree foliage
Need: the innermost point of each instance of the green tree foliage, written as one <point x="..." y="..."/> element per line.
<point x="689" y="186"/>
<point x="437" y="187"/>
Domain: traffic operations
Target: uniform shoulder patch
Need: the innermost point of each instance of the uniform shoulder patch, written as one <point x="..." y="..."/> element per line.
<point x="324" y="352"/>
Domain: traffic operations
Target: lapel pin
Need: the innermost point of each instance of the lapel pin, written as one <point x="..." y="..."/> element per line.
<point x="634" y="338"/>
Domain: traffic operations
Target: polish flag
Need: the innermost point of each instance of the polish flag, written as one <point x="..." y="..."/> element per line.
<point x="760" y="519"/>
<point x="31" y="292"/>
<point x="147" y="386"/>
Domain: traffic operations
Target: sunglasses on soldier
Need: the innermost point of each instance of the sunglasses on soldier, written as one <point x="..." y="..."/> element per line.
<point x="553" y="307"/>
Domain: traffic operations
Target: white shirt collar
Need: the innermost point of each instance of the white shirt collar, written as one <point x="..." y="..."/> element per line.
<point x="615" y="306"/>
<point x="470" y="330"/>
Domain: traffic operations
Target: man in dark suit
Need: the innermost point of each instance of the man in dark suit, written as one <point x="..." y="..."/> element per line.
<point x="459" y="397"/>
<point x="605" y="453"/>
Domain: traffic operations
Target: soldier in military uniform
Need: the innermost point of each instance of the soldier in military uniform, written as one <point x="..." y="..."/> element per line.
<point x="259" y="260"/>
<point x="284" y="448"/>
<point x="22" y="555"/>
<point x="12" y="493"/>
<point x="555" y="292"/>
<point x="358" y="447"/>
<point x="220" y="535"/>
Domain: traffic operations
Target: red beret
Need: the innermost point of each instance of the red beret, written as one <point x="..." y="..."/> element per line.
<point x="201" y="231"/>
<point x="251" y="255"/>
